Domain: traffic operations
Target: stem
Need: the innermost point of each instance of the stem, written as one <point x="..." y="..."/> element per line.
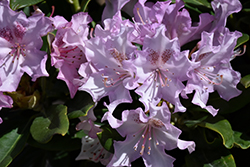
<point x="84" y="5"/>
<point x="74" y="5"/>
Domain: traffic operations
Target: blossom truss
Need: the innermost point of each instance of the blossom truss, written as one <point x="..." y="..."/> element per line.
<point x="213" y="70"/>
<point x="148" y="137"/>
<point x="68" y="49"/>
<point x="115" y="73"/>
<point x="20" y="44"/>
<point x="161" y="68"/>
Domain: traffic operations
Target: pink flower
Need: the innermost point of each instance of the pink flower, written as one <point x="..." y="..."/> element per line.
<point x="212" y="69"/>
<point x="20" y="44"/>
<point x="113" y="60"/>
<point x="161" y="68"/>
<point x="147" y="137"/>
<point x="91" y="146"/>
<point x="68" y="49"/>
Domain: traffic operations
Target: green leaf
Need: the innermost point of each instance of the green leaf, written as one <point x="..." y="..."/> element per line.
<point x="107" y="136"/>
<point x="198" y="3"/>
<point x="221" y="126"/>
<point x="193" y="123"/>
<point x="245" y="81"/>
<point x="80" y="113"/>
<point x="17" y="4"/>
<point x="56" y="122"/>
<point x="84" y="5"/>
<point x="241" y="140"/>
<point x="241" y="40"/>
<point x="210" y="158"/>
<point x="79" y="105"/>
<point x="58" y="143"/>
<point x="11" y="145"/>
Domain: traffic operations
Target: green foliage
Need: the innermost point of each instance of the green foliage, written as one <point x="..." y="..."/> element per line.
<point x="55" y="122"/>
<point x="18" y="4"/>
<point x="198" y="3"/>
<point x="210" y="158"/>
<point x="12" y="144"/>
<point x="107" y="136"/>
<point x="245" y="81"/>
<point x="243" y="39"/>
<point x="79" y="105"/>
<point x="58" y="143"/>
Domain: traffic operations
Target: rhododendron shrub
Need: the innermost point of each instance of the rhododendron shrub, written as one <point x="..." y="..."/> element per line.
<point x="124" y="83"/>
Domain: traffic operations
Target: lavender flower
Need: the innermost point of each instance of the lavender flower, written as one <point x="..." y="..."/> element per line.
<point x="20" y="39"/>
<point x="147" y="137"/>
<point x="68" y="49"/>
<point x="213" y="70"/>
<point x="113" y="61"/>
<point x="161" y="69"/>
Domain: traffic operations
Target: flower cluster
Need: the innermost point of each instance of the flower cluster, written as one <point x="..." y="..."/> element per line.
<point x="144" y="55"/>
<point x="21" y="41"/>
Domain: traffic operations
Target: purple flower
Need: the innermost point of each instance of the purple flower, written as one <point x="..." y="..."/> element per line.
<point x="20" y="43"/>
<point x="5" y="101"/>
<point x="212" y="69"/>
<point x="179" y="24"/>
<point x="222" y="9"/>
<point x="161" y="69"/>
<point x="68" y="49"/>
<point x="148" y="18"/>
<point x="113" y="61"/>
<point x="114" y="27"/>
<point x="112" y="7"/>
<point x="91" y="146"/>
<point x="147" y="137"/>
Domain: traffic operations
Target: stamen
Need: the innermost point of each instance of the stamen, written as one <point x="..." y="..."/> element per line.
<point x="239" y="52"/>
<point x="53" y="10"/>
<point x="142" y="149"/>
<point x="150" y="138"/>
<point x="91" y="33"/>
<point x="205" y="75"/>
<point x="192" y="51"/>
<point x="112" y="82"/>
<point x="138" y="12"/>
<point x="157" y="143"/>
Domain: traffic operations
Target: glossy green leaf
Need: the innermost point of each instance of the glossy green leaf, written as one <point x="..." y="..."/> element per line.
<point x="221" y="126"/>
<point x="80" y="113"/>
<point x="107" y="136"/>
<point x="79" y="105"/>
<point x="245" y="81"/>
<point x="56" y="122"/>
<point x="241" y="40"/>
<point x="11" y="144"/>
<point x="241" y="140"/>
<point x="84" y="5"/>
<point x="210" y="158"/>
<point x="17" y="4"/>
<point x="198" y="3"/>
